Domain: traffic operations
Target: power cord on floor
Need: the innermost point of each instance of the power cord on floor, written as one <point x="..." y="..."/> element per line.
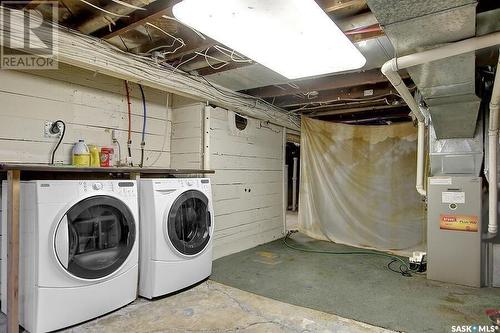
<point x="404" y="269"/>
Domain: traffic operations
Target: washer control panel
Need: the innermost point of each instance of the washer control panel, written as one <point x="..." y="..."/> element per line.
<point x="124" y="188"/>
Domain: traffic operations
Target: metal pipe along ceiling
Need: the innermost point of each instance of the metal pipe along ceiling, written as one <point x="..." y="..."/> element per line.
<point x="390" y="70"/>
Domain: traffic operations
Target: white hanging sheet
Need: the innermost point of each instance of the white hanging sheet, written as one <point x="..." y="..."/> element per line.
<point x="357" y="185"/>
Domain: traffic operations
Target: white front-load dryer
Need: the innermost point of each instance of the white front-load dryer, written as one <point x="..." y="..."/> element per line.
<point x="78" y="251"/>
<point x="176" y="234"/>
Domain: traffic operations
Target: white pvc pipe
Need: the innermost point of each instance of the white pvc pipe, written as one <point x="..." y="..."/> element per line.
<point x="294" y="184"/>
<point x="390" y="70"/>
<point x="492" y="155"/>
<point x="420" y="159"/>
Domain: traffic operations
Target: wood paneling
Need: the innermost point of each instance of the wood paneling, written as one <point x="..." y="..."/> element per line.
<point x="247" y="187"/>
<point x="91" y="105"/>
<point x="187" y="117"/>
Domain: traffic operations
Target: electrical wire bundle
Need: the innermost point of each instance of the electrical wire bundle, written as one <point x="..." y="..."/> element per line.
<point x="404" y="268"/>
<point x="76" y="48"/>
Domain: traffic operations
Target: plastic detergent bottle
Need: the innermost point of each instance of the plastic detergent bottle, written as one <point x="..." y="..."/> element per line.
<point x="81" y="154"/>
<point x="95" y="160"/>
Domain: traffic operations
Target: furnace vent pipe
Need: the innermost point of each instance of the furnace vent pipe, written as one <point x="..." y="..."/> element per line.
<point x="390" y="70"/>
<point x="492" y="154"/>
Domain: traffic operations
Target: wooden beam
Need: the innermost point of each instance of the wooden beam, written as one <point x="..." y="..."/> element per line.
<point x="205" y="44"/>
<point x="357" y="21"/>
<point x="32" y="4"/>
<point x="13" y="198"/>
<point x="10" y="4"/>
<point x="99" y="20"/>
<point x="397" y="114"/>
<point x="330" y="6"/>
<point x="378" y="108"/>
<point x="317" y="84"/>
<point x="370" y="91"/>
<point x="233" y="65"/>
<point x="158" y="8"/>
<point x="152" y="12"/>
<point x="324" y="96"/>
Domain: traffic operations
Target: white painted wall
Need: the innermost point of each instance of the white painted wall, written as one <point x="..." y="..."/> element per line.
<point x="248" y="183"/>
<point x="91" y="104"/>
<point x="187" y="133"/>
<point x="247" y="186"/>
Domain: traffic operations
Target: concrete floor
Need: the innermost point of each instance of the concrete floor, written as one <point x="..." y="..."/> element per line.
<point x="213" y="307"/>
<point x="355" y="287"/>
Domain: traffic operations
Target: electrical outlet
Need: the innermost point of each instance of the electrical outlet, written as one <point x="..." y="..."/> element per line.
<point x="46" y="130"/>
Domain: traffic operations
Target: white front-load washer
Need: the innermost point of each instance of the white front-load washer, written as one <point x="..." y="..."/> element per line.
<point x="176" y="234"/>
<point x="78" y="251"/>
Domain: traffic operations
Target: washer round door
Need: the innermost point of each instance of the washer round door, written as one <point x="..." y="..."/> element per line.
<point x="95" y="237"/>
<point x="189" y="223"/>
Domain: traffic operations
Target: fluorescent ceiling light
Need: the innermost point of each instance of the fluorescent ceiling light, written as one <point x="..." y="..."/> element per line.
<point x="294" y="38"/>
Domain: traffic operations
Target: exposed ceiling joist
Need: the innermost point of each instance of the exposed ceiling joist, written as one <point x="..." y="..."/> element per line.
<point x="232" y="65"/>
<point x="32" y="4"/>
<point x="205" y="44"/>
<point x="157" y="9"/>
<point x="373" y="118"/>
<point x="354" y="37"/>
<point x="325" y="96"/>
<point x="98" y="21"/>
<point x="330" y="6"/>
<point x="153" y="11"/>
<point x="357" y="22"/>
<point x="317" y="84"/>
<point x="355" y="110"/>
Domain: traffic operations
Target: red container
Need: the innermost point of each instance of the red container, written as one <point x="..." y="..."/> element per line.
<point x="107" y="157"/>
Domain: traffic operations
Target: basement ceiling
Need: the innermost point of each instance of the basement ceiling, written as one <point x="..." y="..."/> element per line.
<point x="148" y="28"/>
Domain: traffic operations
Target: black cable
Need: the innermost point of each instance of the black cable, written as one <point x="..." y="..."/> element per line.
<point x="404" y="269"/>
<point x="52" y="129"/>
<point x="143" y="142"/>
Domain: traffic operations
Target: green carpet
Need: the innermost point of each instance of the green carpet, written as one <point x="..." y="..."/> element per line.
<point x="355" y="287"/>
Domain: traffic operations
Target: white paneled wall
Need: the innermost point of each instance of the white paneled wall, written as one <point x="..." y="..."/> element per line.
<point x="247" y="186"/>
<point x="187" y="133"/>
<point x="89" y="103"/>
<point x="248" y="183"/>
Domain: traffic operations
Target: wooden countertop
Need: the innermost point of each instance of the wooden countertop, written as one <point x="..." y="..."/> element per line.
<point x="73" y="169"/>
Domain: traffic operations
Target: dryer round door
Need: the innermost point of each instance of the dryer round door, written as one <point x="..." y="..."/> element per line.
<point x="189" y="223"/>
<point x="95" y="237"/>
